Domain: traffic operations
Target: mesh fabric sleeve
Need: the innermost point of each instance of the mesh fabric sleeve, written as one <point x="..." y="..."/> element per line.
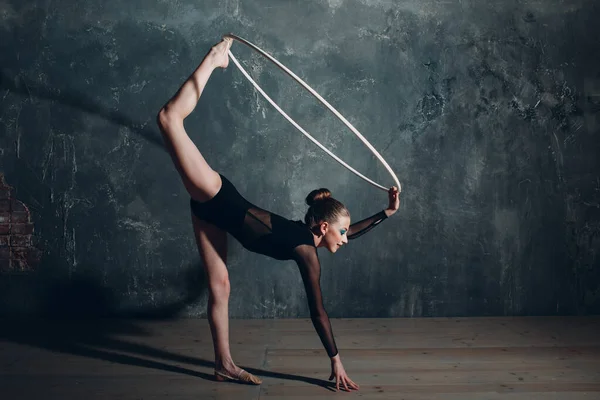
<point x="361" y="227"/>
<point x="310" y="269"/>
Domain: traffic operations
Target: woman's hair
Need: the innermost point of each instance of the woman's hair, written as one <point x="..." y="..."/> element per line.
<point x="323" y="208"/>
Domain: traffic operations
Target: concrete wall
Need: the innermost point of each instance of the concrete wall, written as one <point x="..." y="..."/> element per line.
<point x="487" y="110"/>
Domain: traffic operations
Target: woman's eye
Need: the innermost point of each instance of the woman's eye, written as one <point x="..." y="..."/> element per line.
<point x="343" y="232"/>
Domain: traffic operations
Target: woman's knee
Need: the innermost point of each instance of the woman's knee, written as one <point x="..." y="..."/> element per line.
<point x="220" y="287"/>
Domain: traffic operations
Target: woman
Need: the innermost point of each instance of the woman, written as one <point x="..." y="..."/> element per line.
<point x="217" y="208"/>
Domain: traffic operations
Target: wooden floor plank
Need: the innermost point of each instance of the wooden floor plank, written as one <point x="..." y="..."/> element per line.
<point x="441" y="358"/>
<point x="122" y="387"/>
<point x="461" y="391"/>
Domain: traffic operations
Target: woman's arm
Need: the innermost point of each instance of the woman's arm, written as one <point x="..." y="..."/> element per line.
<point x="310" y="270"/>
<point x="361" y="227"/>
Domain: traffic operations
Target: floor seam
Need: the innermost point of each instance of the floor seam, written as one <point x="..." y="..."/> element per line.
<point x="263" y="366"/>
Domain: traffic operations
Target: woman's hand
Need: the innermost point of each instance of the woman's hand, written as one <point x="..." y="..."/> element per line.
<point x="339" y="373"/>
<point x="394" y="201"/>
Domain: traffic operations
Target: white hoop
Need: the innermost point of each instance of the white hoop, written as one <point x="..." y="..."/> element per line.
<point x="323" y="101"/>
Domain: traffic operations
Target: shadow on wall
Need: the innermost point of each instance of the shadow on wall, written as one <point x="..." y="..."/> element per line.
<point x="54" y="288"/>
<point x="77" y="69"/>
<point x="82" y="296"/>
<point x="75" y="75"/>
<point x="19" y="84"/>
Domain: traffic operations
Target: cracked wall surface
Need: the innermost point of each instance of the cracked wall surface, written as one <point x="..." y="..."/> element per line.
<point x="488" y="111"/>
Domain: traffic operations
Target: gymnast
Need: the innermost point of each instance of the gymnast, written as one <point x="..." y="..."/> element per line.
<point x="218" y="208"/>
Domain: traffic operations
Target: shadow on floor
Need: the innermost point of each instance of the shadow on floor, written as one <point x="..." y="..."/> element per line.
<point x="94" y="338"/>
<point x="75" y="325"/>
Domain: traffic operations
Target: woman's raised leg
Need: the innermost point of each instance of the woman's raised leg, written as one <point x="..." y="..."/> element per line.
<point x="200" y="180"/>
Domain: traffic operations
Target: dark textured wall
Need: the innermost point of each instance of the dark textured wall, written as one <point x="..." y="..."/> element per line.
<point x="487" y="110"/>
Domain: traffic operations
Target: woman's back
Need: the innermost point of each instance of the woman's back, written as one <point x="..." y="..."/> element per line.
<point x="258" y="230"/>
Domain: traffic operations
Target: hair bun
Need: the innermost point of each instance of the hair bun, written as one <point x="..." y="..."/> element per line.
<point x="317" y="195"/>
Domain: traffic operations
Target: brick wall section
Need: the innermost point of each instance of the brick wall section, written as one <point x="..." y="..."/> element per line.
<point x="17" y="253"/>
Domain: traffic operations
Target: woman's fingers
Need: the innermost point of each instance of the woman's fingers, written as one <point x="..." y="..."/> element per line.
<point x="342" y="380"/>
<point x="347" y="383"/>
<point x="352" y="385"/>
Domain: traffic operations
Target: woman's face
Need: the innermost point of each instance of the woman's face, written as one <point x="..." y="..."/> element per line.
<point x="335" y="234"/>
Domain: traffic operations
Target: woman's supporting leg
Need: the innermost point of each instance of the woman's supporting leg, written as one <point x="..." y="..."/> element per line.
<point x="212" y="244"/>
<point x="200" y="180"/>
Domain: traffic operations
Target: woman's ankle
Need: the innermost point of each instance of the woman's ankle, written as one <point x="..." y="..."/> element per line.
<point x="226" y="363"/>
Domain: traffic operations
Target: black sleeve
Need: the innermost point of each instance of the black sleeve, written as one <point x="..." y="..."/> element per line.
<point x="310" y="268"/>
<point x="361" y="227"/>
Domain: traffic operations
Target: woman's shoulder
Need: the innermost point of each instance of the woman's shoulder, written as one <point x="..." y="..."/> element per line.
<point x="291" y="234"/>
<point x="305" y="236"/>
<point x="296" y="232"/>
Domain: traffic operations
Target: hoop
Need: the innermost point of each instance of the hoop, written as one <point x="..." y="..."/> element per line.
<point x="323" y="101"/>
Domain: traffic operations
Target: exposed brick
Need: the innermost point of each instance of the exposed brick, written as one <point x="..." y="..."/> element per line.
<point x="20" y="266"/>
<point x="20" y="229"/>
<point x="29" y="255"/>
<point x="16" y="205"/>
<point x="20" y="240"/>
<point x="18" y="253"/>
<point x="20" y="217"/>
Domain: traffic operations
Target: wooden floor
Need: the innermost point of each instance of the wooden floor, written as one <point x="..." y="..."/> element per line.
<point x="457" y="358"/>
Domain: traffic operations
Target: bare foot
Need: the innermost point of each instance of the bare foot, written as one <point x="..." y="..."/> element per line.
<point x="219" y="53"/>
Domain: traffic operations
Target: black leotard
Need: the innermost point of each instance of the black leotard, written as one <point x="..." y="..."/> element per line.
<point x="263" y="232"/>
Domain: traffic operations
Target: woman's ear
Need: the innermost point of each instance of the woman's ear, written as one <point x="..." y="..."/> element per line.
<point x="324" y="226"/>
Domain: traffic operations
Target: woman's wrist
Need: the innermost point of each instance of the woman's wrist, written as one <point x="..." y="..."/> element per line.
<point x="388" y="212"/>
<point x="335" y="358"/>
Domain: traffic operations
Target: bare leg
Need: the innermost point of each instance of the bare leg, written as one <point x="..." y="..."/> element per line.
<point x="202" y="183"/>
<point x="200" y="180"/>
<point x="212" y="244"/>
